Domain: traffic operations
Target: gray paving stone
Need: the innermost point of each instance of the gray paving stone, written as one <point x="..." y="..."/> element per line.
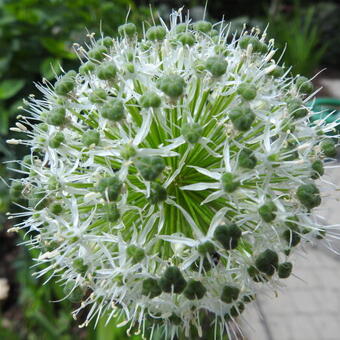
<point x="309" y="307"/>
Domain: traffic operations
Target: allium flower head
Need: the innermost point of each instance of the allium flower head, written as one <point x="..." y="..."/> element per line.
<point x="171" y="177"/>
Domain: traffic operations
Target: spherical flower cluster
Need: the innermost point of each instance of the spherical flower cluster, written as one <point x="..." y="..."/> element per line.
<point x="172" y="176"/>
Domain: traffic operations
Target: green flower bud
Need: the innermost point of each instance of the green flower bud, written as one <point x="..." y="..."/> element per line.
<point x="186" y="38"/>
<point x="230" y="294"/>
<point x="309" y="195"/>
<point x="328" y="148"/>
<point x="130" y="56"/>
<point x="56" y="117"/>
<point x="199" y="66"/>
<point x="127" y="30"/>
<point x="75" y="295"/>
<point x="277" y="72"/>
<point x="192" y="133"/>
<point x="157" y="193"/>
<point x="56" y="140"/>
<point x="247" y="91"/>
<point x="255" y="274"/>
<point x="284" y="270"/>
<point x="214" y="33"/>
<point x="90" y="137"/>
<point x="150" y="167"/>
<point x="145" y="46"/>
<point x="156" y="33"/>
<point x="107" y="71"/>
<point x="26" y="162"/>
<point x="242" y="117"/>
<point x="112" y="212"/>
<point x="194" y="290"/>
<point x="97" y="96"/>
<point x="42" y="127"/>
<point x="267" y="262"/>
<point x="304" y="85"/>
<point x="258" y="46"/>
<point x="268" y="211"/>
<point x="292" y="237"/>
<point x="130" y="67"/>
<point x="261" y="48"/>
<point x="87" y="68"/>
<point x="172" y="85"/>
<point x="70" y="74"/>
<point x="176" y="320"/>
<point x="53" y="183"/>
<point x="216" y="65"/>
<point x="172" y="280"/>
<point x="15" y="190"/>
<point x="248" y="298"/>
<point x="65" y="85"/>
<point x="321" y="234"/>
<point x="97" y="53"/>
<point x="113" y="110"/>
<point x="79" y="266"/>
<point x="203" y="26"/>
<point x="106" y="41"/>
<point x="296" y="109"/>
<point x="56" y="208"/>
<point x="110" y="188"/>
<point x="228" y="235"/>
<point x="151" y="288"/>
<point x="180" y="28"/>
<point x="150" y="99"/>
<point x="229" y="183"/>
<point x="237" y="310"/>
<point x="38" y="201"/>
<point x="206" y="247"/>
<point x="206" y="264"/>
<point x="221" y="50"/>
<point x="247" y="159"/>
<point x="128" y="151"/>
<point x="317" y="169"/>
<point x="135" y="253"/>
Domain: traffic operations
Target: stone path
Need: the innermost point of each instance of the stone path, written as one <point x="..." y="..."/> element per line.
<point x="308" y="308"/>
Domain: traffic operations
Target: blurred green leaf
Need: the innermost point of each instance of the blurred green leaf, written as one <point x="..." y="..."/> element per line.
<point x="299" y="38"/>
<point x="10" y="87"/>
<point x="3" y="120"/>
<point x="50" y="67"/>
<point x="58" y="48"/>
<point x="4" y="63"/>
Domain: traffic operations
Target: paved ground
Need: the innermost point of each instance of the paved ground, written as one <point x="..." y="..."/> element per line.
<point x="309" y="307"/>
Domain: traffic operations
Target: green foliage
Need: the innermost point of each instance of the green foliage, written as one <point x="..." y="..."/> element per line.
<point x="297" y="32"/>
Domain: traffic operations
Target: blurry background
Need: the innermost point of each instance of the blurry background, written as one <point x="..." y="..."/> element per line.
<point x="35" y="34"/>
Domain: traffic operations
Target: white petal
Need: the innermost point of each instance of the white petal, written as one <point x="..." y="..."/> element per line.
<point x="226" y="155"/>
<point x="147" y="228"/>
<point x="144" y="129"/>
<point x="211" y="174"/>
<point x="212" y="197"/>
<point x="178" y="239"/>
<point x="200" y="186"/>
<point x="216" y="220"/>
